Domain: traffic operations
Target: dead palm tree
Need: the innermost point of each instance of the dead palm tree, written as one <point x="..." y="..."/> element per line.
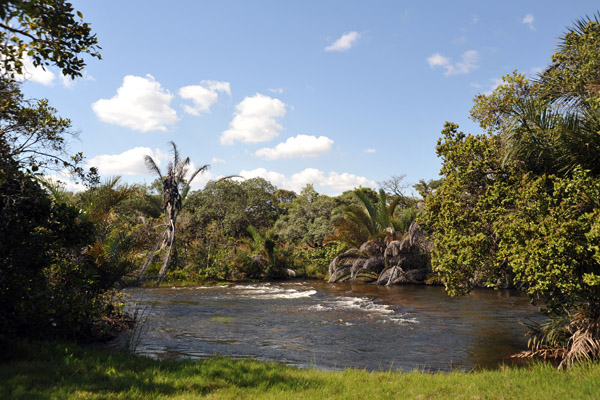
<point x="175" y="187"/>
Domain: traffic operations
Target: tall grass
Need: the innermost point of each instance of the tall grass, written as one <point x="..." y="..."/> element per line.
<point x="65" y="371"/>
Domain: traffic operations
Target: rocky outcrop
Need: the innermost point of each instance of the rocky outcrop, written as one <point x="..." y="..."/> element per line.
<point x="389" y="262"/>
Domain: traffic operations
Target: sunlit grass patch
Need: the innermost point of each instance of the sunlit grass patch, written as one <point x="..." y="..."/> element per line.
<point x="65" y="371"/>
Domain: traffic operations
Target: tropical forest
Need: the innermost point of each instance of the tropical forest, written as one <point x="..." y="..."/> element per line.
<point x="480" y="282"/>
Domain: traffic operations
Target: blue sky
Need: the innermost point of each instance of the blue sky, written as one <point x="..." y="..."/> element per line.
<point x="335" y="93"/>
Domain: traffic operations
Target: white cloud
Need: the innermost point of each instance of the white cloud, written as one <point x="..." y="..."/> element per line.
<point x="255" y="120"/>
<point x="130" y="162"/>
<point x="276" y="90"/>
<point x="438" y="60"/>
<point x="67" y="183"/>
<point x="140" y="104"/>
<point x="36" y="74"/>
<point x="203" y="96"/>
<point x="67" y="81"/>
<point x="335" y="181"/>
<point x="370" y="150"/>
<point x="216" y="160"/>
<point x="70" y="83"/>
<point x="467" y="64"/>
<point x="528" y="20"/>
<point x="345" y="42"/>
<point x="299" y="146"/>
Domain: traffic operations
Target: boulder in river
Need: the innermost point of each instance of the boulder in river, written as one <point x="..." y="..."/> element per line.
<point x="388" y="262"/>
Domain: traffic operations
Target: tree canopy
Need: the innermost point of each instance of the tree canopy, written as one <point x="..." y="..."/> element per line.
<point x="519" y="204"/>
<point x="49" y="32"/>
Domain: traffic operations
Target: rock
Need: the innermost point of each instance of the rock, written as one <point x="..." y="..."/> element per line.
<point x="341" y="266"/>
<point x="396" y="275"/>
<point x="367" y="270"/>
<point x="406" y="260"/>
<point x="371" y="248"/>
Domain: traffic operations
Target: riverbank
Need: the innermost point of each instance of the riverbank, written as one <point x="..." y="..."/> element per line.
<point x="67" y="371"/>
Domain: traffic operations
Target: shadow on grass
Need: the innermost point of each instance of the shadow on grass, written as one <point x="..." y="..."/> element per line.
<point x="51" y="370"/>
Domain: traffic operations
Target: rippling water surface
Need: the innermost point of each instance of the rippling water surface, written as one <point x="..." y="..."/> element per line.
<point x="337" y="326"/>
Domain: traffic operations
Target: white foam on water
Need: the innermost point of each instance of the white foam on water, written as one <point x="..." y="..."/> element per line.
<point x="383" y="312"/>
<point x="403" y="321"/>
<point x="362" y="304"/>
<point x="289" y="294"/>
<point x="272" y="292"/>
<point x="319" y="307"/>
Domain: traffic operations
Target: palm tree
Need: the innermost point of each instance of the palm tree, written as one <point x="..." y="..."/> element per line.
<point x="369" y="220"/>
<point x="175" y="187"/>
<point x="548" y="140"/>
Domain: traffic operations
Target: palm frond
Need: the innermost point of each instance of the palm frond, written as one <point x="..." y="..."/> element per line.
<point x="151" y="165"/>
<point x="203" y="168"/>
<point x="366" y="202"/>
<point x="175" y="162"/>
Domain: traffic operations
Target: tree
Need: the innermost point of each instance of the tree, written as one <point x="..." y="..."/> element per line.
<point x="175" y="187"/>
<point x="396" y="186"/>
<point x="48" y="32"/>
<point x="234" y="205"/>
<point x="367" y="220"/>
<point x="520" y="204"/>
<point x="308" y="220"/>
<point x="36" y="136"/>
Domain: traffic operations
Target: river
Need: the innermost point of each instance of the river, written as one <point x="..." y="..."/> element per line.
<point x="334" y="326"/>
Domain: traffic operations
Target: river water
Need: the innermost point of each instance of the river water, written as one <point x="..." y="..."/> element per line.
<point x="334" y="326"/>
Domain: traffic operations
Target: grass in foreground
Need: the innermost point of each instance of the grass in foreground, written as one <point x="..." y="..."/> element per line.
<point x="66" y="371"/>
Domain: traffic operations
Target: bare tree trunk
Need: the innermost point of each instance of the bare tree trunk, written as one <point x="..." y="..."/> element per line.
<point x="171" y="244"/>
<point x="150" y="258"/>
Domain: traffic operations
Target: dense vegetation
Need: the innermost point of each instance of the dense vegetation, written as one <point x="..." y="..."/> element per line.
<point x="515" y="206"/>
<point x="519" y="205"/>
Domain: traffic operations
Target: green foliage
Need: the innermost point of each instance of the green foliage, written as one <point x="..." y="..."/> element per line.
<point x="213" y="257"/>
<point x="313" y="262"/>
<point x="49" y="32"/>
<point x="476" y="191"/>
<point x="521" y="204"/>
<point x="308" y="220"/>
<point x="49" y="285"/>
<point x="368" y="219"/>
<point x="36" y="136"/>
<point x="234" y="206"/>
<point x="551" y="240"/>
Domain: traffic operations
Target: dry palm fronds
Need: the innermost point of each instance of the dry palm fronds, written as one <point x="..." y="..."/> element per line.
<point x="584" y="343"/>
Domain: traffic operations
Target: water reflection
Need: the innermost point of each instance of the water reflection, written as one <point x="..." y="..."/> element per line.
<point x="335" y="326"/>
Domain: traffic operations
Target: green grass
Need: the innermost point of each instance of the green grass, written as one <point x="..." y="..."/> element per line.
<point x="66" y="371"/>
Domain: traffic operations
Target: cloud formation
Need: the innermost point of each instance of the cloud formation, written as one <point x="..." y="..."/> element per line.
<point x="298" y="146"/>
<point x="255" y="120"/>
<point x="66" y="182"/>
<point x="467" y="63"/>
<point x="344" y="43"/>
<point x="528" y="20"/>
<point x="37" y="74"/>
<point x="203" y="96"/>
<point x="337" y="182"/>
<point x="140" y="104"/>
<point x="130" y="162"/>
